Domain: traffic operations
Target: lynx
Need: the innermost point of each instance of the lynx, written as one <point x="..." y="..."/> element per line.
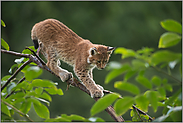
<point x="57" y="42"/>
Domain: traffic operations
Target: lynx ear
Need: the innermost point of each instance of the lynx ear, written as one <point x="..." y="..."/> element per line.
<point x="110" y="49"/>
<point x="93" y="51"/>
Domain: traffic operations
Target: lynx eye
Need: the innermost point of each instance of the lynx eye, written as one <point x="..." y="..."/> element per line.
<point x="99" y="62"/>
<point x="105" y="61"/>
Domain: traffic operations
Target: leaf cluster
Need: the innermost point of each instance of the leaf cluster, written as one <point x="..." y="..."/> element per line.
<point x="156" y="87"/>
<point x="26" y="91"/>
<point x="30" y="91"/>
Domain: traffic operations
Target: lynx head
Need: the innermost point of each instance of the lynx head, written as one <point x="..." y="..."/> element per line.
<point x="99" y="56"/>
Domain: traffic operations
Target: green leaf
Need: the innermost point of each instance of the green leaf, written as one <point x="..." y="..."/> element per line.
<point x="60" y="92"/>
<point x="156" y="80"/>
<point x="139" y="65"/>
<point x="42" y="83"/>
<point x="125" y="52"/>
<point x="41" y="110"/>
<point x="129" y="74"/>
<point x="103" y="103"/>
<point x="39" y="90"/>
<point x="116" y="72"/>
<point x="5" y="109"/>
<point x="32" y="93"/>
<point x="145" y="51"/>
<point x="123" y="105"/>
<point x="22" y="85"/>
<point x="173" y="98"/>
<point x="142" y="102"/>
<point x="58" y="119"/>
<point x="76" y="117"/>
<point x="171" y="25"/>
<point x="169" y="39"/>
<point x="12" y="67"/>
<point x="25" y="107"/>
<point x="127" y="87"/>
<point x="144" y="81"/>
<point x="153" y="99"/>
<point x="32" y="73"/>
<point x="46" y="96"/>
<point x="165" y="56"/>
<point x="54" y="90"/>
<point x="5" y="78"/>
<point x="10" y="87"/>
<point x="17" y="95"/>
<point x="5" y="45"/>
<point x="2" y="23"/>
<point x="27" y="51"/>
<point x="73" y="117"/>
<point x="162" y="92"/>
<point x="168" y="87"/>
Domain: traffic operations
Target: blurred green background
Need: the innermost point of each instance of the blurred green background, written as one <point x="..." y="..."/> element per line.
<point x="131" y="25"/>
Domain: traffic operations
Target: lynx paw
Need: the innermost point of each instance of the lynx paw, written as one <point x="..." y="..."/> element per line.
<point x="66" y="76"/>
<point x="96" y="93"/>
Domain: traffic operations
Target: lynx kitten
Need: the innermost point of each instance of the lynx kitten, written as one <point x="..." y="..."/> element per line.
<point x="57" y="42"/>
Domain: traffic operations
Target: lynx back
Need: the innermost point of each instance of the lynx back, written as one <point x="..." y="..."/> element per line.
<point x="57" y="42"/>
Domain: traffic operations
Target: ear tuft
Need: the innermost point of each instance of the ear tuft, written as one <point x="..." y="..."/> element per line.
<point x="93" y="51"/>
<point x="110" y="49"/>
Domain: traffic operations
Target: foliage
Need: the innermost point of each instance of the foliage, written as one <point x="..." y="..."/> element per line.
<point x="3" y="43"/>
<point x="35" y="93"/>
<point x="20" y="96"/>
<point x="155" y="94"/>
<point x="116" y="23"/>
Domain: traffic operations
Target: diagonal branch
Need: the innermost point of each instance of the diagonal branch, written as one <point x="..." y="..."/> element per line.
<point x="134" y="107"/>
<point x="74" y="82"/>
<point x="15" y="89"/>
<point x="16" y="72"/>
<point x="25" y="115"/>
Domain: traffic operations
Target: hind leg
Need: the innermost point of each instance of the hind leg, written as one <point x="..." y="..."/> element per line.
<point x="53" y="63"/>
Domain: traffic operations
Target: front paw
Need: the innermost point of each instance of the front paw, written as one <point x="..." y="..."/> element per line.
<point x="66" y="76"/>
<point x="97" y="93"/>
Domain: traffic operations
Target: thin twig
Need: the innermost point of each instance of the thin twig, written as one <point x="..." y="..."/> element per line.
<point x="25" y="115"/>
<point x="166" y="74"/>
<point x="134" y="107"/>
<point x="15" y="89"/>
<point x="139" y="115"/>
<point x="16" y="72"/>
<point x="36" y="56"/>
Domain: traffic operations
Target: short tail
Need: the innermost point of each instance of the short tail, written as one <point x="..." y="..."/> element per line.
<point x="34" y="37"/>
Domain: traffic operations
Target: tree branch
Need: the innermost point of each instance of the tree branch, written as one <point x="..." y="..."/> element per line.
<point x="74" y="82"/>
<point x="25" y="115"/>
<point x="16" y="72"/>
<point x="134" y="107"/>
<point x="15" y="89"/>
